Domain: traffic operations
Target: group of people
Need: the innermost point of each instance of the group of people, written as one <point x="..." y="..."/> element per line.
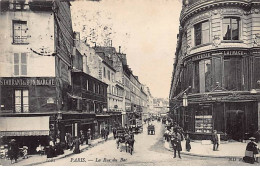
<point x="54" y="149"/>
<point x="125" y="137"/>
<point x="175" y="135"/>
<point x="105" y="133"/>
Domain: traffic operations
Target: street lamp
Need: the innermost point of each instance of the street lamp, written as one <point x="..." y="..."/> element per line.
<point x="184" y="104"/>
<point x="104" y="110"/>
<point x="185" y="100"/>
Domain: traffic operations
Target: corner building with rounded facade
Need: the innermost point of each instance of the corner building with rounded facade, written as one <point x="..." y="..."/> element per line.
<point x="218" y="56"/>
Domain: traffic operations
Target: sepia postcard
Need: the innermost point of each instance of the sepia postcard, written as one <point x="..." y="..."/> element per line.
<point x="129" y="82"/>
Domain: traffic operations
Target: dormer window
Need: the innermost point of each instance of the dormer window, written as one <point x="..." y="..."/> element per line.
<point x="231" y="28"/>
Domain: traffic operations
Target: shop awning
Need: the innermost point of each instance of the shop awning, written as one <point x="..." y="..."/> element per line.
<point x="24" y="126"/>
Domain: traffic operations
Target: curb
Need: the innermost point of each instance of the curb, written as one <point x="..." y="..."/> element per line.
<point x="208" y="156"/>
<point x="69" y="154"/>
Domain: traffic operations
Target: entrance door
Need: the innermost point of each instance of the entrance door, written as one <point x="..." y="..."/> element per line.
<point x="235" y="124"/>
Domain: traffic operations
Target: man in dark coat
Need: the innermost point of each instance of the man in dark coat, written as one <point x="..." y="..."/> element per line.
<point x="13" y="151"/>
<point x="215" y="140"/>
<point x="188" y="147"/>
<point x="176" y="143"/>
<point x="103" y="133"/>
<point x="114" y="132"/>
<point x="77" y="144"/>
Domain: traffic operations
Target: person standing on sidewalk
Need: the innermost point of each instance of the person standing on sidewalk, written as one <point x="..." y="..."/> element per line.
<point x="13" y="151"/>
<point x="188" y="147"/>
<point x="114" y="132"/>
<point x="176" y="143"/>
<point x="251" y="151"/>
<point x="215" y="140"/>
<point x="77" y="144"/>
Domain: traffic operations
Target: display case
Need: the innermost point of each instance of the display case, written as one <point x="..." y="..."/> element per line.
<point x="203" y="124"/>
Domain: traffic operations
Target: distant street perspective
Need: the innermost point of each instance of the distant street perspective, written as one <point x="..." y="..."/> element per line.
<point x="130" y="83"/>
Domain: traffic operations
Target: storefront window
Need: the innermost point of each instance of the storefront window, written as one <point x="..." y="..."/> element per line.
<point x="232" y="73"/>
<point x="203" y="120"/>
<point x="203" y="76"/>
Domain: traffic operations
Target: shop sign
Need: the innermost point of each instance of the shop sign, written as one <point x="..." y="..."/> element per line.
<point x="27" y="82"/>
<point x="233" y="53"/>
<point x="225" y="53"/>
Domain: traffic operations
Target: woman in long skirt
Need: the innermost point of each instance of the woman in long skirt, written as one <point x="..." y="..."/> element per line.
<point x="188" y="147"/>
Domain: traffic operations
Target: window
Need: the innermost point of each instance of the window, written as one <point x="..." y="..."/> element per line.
<point x="256" y="72"/>
<point x="205" y="75"/>
<point x="20" y="31"/>
<point x="231" y="28"/>
<point x="20" y="64"/>
<point x="232" y="73"/>
<point x="21" y="101"/>
<point x="104" y="72"/>
<point x="18" y="4"/>
<point x="203" y="120"/>
<point x="109" y="89"/>
<point x="87" y="84"/>
<point x="94" y="87"/>
<point x="201" y="31"/>
<point x="113" y="77"/>
<point x="108" y="74"/>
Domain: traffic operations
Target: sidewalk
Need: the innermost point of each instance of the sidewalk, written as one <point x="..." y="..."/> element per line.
<point x="38" y="159"/>
<point x="226" y="149"/>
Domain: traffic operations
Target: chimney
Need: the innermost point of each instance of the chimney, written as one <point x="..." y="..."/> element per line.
<point x="111" y="43"/>
<point x="119" y="49"/>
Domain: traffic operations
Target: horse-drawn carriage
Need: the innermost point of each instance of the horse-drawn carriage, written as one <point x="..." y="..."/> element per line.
<point x="151" y="129"/>
<point x="125" y="140"/>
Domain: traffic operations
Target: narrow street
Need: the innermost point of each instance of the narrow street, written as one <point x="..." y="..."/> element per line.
<point x="148" y="150"/>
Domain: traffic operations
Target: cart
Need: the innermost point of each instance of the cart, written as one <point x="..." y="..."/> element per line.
<point x="151" y="129"/>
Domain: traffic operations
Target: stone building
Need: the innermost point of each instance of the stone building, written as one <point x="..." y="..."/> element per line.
<point x="217" y="67"/>
<point x="35" y="71"/>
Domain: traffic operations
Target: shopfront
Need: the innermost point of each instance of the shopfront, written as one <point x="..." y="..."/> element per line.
<point x="234" y="117"/>
<point x="27" y="131"/>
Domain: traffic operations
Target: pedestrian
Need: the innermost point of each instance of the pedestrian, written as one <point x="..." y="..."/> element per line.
<point x="103" y="133"/>
<point x="166" y="134"/>
<point x="89" y="137"/>
<point x="51" y="150"/>
<point x="13" y="151"/>
<point x="188" y="146"/>
<point x="176" y="143"/>
<point x="76" y="144"/>
<point x="106" y="133"/>
<point x="215" y="140"/>
<point x="114" y="132"/>
<point x="251" y="151"/>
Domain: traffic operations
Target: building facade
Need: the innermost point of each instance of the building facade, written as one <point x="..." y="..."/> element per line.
<point x="216" y="67"/>
<point x="36" y="49"/>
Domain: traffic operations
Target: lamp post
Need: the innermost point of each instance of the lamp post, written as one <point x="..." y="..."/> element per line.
<point x="184" y="104"/>
<point x="59" y="118"/>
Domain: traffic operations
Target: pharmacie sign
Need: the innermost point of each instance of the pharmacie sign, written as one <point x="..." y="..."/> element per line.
<point x="27" y="81"/>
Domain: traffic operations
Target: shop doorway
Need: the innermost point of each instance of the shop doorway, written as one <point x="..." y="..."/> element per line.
<point x="235" y="124"/>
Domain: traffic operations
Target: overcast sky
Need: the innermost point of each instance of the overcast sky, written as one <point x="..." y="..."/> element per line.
<point x="146" y="29"/>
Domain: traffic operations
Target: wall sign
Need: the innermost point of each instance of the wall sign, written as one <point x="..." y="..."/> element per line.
<point x="27" y="81"/>
<point x="210" y="54"/>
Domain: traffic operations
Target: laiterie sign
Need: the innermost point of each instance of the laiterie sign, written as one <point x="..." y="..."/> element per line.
<point x="27" y="81"/>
